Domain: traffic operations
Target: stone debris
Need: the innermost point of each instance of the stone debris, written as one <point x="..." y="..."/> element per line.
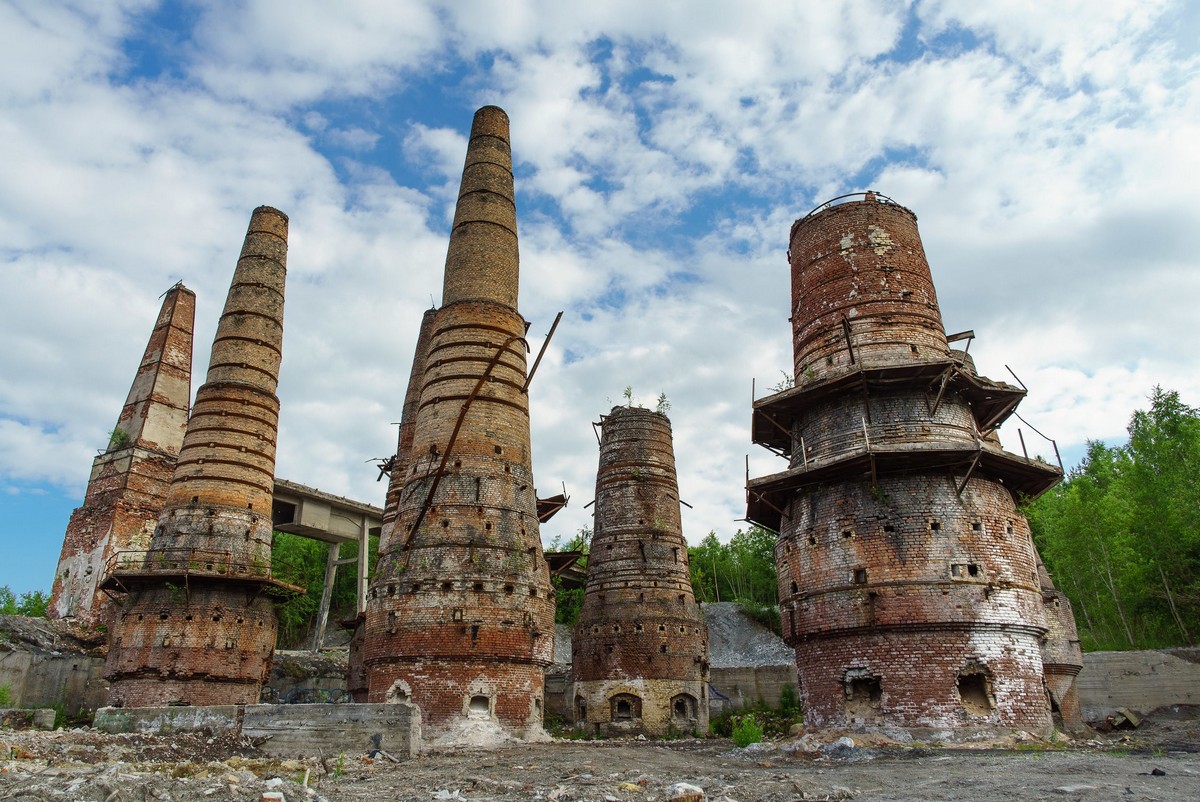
<point x="685" y="792"/>
<point x="737" y="641"/>
<point x="90" y="766"/>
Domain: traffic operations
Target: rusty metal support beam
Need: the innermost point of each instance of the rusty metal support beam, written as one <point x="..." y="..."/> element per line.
<point x="462" y="416"/>
<point x="946" y="374"/>
<point x="541" y="352"/>
<point x="970" y="470"/>
<point x="770" y="419"/>
<point x="849" y="343"/>
<point x="760" y="498"/>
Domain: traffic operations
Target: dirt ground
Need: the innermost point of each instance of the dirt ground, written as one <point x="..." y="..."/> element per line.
<point x="1158" y="761"/>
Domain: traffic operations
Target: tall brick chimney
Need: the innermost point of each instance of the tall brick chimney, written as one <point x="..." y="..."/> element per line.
<point x="460" y="616"/>
<point x="130" y="478"/>
<point x="908" y="579"/>
<point x="404" y="440"/>
<point x="197" y="624"/>
<point x="356" y="671"/>
<point x="640" y="648"/>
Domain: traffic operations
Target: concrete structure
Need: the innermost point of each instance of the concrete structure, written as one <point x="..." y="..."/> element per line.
<point x="196" y="623"/>
<point x="460" y="616"/>
<point x="284" y="730"/>
<point x="908" y="580"/>
<point x="130" y="478"/>
<point x="46" y="662"/>
<point x="750" y="664"/>
<point x="305" y="511"/>
<point x="1141" y="681"/>
<point x="640" y="648"/>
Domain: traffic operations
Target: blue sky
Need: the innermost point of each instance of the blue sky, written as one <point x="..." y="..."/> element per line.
<point x="662" y="151"/>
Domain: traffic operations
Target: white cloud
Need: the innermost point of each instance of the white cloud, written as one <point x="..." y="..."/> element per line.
<point x="277" y="53"/>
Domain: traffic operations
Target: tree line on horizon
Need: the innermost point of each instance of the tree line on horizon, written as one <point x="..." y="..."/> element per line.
<point x="1121" y="533"/>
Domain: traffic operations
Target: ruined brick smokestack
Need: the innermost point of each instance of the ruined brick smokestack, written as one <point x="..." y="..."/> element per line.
<point x="129" y="480"/>
<point x="408" y="422"/>
<point x="197" y="625"/>
<point x="640" y="648"/>
<point x="356" y="671"/>
<point x="1062" y="657"/>
<point x="908" y="580"/>
<point x="460" y="616"/>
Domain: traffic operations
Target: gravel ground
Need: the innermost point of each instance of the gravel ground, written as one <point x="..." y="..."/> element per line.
<point x="1159" y="761"/>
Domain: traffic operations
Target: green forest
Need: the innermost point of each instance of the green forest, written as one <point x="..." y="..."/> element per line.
<point x="1121" y="534"/>
<point x="741" y="570"/>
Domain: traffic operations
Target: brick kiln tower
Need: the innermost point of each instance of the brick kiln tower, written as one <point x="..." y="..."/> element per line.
<point x="908" y="580"/>
<point x="640" y="648"/>
<point x="404" y="440"/>
<point x="129" y="480"/>
<point x="460" y="616"/>
<point x="356" y="671"/>
<point x="196" y="623"/>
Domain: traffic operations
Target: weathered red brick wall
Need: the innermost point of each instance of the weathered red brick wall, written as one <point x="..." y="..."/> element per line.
<point x="917" y="672"/>
<point x="199" y="645"/>
<point x="908" y="579"/>
<point x="195" y="625"/>
<point x="639" y="622"/>
<point x="461" y="600"/>
<point x="129" y="482"/>
<point x="863" y="262"/>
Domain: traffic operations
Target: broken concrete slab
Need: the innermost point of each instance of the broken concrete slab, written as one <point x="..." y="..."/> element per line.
<point x="212" y="719"/>
<point x="331" y="730"/>
<point x="38" y="719"/>
<point x="284" y="730"/>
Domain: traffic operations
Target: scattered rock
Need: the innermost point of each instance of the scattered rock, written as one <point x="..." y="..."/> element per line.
<point x="685" y="792"/>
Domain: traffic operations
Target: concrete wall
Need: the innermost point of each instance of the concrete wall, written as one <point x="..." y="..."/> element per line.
<point x="41" y="679"/>
<point x="212" y="719"/>
<point x="746" y="686"/>
<point x="284" y="730"/>
<point x="330" y="730"/>
<point x="1140" y="681"/>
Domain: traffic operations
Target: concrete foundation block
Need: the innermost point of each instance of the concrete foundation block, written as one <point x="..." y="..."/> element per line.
<point x="166" y="720"/>
<point x="330" y="730"/>
<point x="39" y="719"/>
